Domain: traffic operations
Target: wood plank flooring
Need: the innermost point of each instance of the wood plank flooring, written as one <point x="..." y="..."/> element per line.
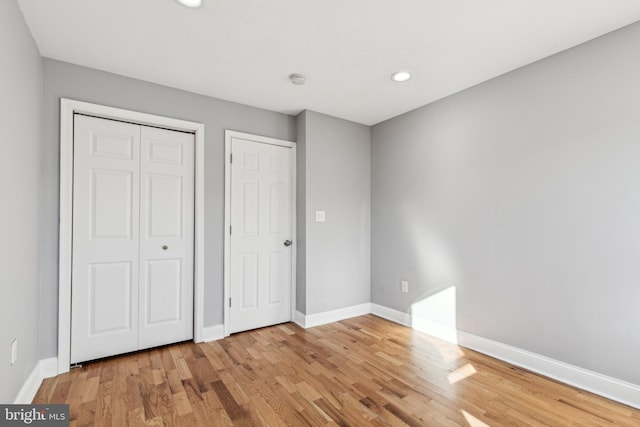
<point x="364" y="371"/>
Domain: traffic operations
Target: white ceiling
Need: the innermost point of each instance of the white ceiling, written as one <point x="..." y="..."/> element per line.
<point x="243" y="50"/>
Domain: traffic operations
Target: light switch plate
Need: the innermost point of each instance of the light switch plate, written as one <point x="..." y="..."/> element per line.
<point x="404" y="285"/>
<point x="320" y="216"/>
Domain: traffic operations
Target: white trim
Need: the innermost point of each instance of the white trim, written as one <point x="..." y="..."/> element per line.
<point x="44" y="369"/>
<point x="198" y="261"/>
<point x="228" y="135"/>
<point x="317" y="319"/>
<point x="213" y="333"/>
<point x="49" y="367"/>
<point x="30" y="387"/>
<point x="435" y="329"/>
<point x="226" y="268"/>
<point x="299" y="319"/>
<point x="605" y="386"/>
<point x="67" y="108"/>
<point x="391" y="314"/>
<point x="419" y="323"/>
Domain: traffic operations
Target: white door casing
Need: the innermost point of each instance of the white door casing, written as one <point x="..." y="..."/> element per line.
<point x="68" y="109"/>
<point x="132" y="277"/>
<point x="260" y="223"/>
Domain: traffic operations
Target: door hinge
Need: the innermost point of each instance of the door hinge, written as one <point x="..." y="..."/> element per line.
<point x="229" y="229"/>
<point x="229" y="302"/>
<point x="231" y="158"/>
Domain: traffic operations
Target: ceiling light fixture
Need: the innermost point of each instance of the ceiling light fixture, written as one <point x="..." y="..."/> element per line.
<point x="401" y="76"/>
<point x="190" y="3"/>
<point x="297" y="79"/>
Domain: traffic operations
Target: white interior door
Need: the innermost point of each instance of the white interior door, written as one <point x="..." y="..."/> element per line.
<point x="260" y="241"/>
<point x="132" y="195"/>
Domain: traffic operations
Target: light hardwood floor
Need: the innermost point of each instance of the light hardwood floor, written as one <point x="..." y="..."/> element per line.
<point x="364" y="371"/>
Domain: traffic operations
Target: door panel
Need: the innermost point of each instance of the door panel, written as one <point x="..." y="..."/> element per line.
<point x="274" y="277"/>
<point x="164" y="151"/>
<point x="110" y="296"/>
<point x="166" y="243"/>
<point x="111" y="198"/>
<point x="249" y="280"/>
<point x="260" y="267"/>
<point x="163" y="278"/>
<point x="106" y="184"/>
<point x="164" y="201"/>
<point x="250" y="190"/>
<point x="276" y="202"/>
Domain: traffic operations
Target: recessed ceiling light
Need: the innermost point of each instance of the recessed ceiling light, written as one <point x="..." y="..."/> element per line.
<point x="401" y="76"/>
<point x="190" y="3"/>
<point x="297" y="79"/>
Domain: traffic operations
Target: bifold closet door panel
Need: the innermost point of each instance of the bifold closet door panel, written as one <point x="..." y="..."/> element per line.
<point x="106" y="210"/>
<point x="166" y="236"/>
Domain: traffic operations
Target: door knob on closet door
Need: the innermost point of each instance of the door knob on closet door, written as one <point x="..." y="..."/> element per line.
<point x="288" y="242"/>
<point x="165" y="247"/>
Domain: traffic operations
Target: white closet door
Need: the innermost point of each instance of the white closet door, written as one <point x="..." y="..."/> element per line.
<point x="106" y="209"/>
<point x="133" y="225"/>
<point x="261" y="251"/>
<point x="166" y="237"/>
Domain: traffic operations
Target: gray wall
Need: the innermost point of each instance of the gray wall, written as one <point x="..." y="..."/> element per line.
<point x="335" y="174"/>
<point x="301" y="208"/>
<point x="84" y="84"/>
<point x="20" y="119"/>
<point x="524" y="193"/>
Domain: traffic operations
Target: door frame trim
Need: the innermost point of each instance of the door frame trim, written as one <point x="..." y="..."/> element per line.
<point x="228" y="135"/>
<point x="67" y="109"/>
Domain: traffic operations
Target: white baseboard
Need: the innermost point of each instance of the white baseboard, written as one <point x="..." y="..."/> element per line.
<point x="45" y="368"/>
<point x="392" y="314"/>
<point x="49" y="367"/>
<point x="299" y="319"/>
<point x="422" y="324"/>
<point x="317" y="319"/>
<point x="30" y="387"/>
<point x="605" y="386"/>
<point x="213" y="333"/>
